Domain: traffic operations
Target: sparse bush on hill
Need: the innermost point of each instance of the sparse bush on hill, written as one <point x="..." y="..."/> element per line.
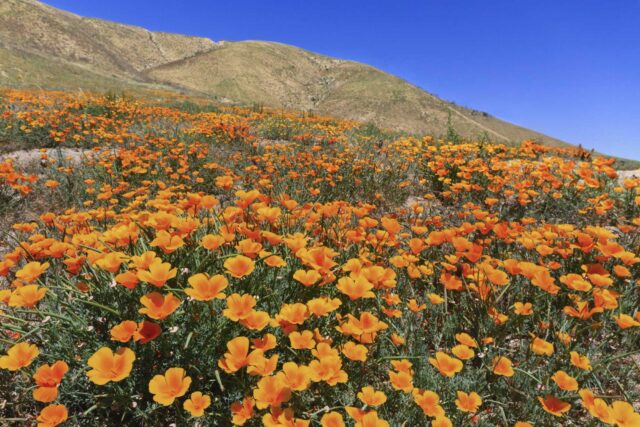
<point x="251" y="267"/>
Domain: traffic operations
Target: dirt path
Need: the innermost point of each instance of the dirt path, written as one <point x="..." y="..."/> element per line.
<point x="25" y="158"/>
<point x="629" y="174"/>
<point x="480" y="125"/>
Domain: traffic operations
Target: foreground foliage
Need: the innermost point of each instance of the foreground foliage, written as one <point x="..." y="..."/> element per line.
<point x="192" y="271"/>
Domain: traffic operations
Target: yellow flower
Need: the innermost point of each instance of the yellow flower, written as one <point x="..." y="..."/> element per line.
<point x="166" y="388"/>
<point x="109" y="366"/>
<point x="197" y="404"/>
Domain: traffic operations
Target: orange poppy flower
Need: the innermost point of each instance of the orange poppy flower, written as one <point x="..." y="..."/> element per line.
<point x="144" y="331"/>
<point x="237" y="355"/>
<point x="502" y="366"/>
<point x="397" y="340"/>
<point x="249" y="248"/>
<point x="307" y="277"/>
<point x="256" y="320"/>
<point x="319" y="258"/>
<point x="142" y="262"/>
<point x="554" y="406"/>
<point x="355" y="352"/>
<point x="27" y="296"/>
<point x="402" y="381"/>
<point x="463" y="352"/>
<point x="415" y="307"/>
<point x="124" y="331"/>
<point x="196" y="404"/>
<point x="329" y="370"/>
<point x="48" y="378"/>
<point x="31" y="271"/>
<point x="600" y="410"/>
<point x="369" y="396"/>
<point x="273" y="260"/>
<point x="543" y="279"/>
<point x="523" y="309"/>
<point x="466" y="339"/>
<point x="332" y="419"/>
<point x="111" y="262"/>
<point x="5" y="296"/>
<point x="541" y="347"/>
<point x="158" y="273"/>
<point x="625" y="321"/>
<point x="429" y="402"/>
<point x="435" y="299"/>
<point x="166" y="242"/>
<point x="267" y="342"/>
<point x="294" y="314"/>
<point x="239" y="307"/>
<point x="323" y="305"/>
<point x="441" y="421"/>
<point x="52" y="415"/>
<point x="260" y="365"/>
<point x="158" y="306"/>
<point x="446" y="365"/>
<point x="576" y="282"/>
<point x="242" y="411"/>
<point x="624" y="415"/>
<point x="239" y="266"/>
<point x="371" y="419"/>
<point x="565" y="381"/>
<point x="147" y="331"/>
<point x="468" y="402"/>
<point x="205" y="288"/>
<point x="128" y="279"/>
<point x="19" y="356"/>
<point x="302" y="340"/>
<point x="296" y="377"/>
<point x="355" y="289"/>
<point x="271" y="391"/>
<point x="109" y="366"/>
<point x="212" y="242"/>
<point x="166" y="388"/>
<point x="580" y="361"/>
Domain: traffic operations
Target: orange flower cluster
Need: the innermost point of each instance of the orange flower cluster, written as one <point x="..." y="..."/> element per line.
<point x="271" y="268"/>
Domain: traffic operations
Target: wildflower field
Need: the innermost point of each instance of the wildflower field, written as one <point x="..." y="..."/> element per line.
<point x="214" y="266"/>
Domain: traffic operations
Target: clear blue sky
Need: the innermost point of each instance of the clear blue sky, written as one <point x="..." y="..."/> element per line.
<point x="570" y="69"/>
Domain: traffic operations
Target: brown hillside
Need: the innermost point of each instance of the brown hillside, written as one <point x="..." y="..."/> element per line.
<point x="41" y="46"/>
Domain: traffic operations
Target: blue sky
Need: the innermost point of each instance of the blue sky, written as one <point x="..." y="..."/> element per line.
<point x="570" y="69"/>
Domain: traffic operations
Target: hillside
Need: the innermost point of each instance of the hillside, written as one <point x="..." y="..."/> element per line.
<point x="46" y="48"/>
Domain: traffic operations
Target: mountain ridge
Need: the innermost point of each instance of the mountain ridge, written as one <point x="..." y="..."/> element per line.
<point x="103" y="53"/>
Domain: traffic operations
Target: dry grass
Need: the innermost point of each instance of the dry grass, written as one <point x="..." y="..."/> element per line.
<point x="44" y="47"/>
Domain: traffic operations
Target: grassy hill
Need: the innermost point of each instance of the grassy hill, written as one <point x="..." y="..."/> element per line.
<point x="41" y="46"/>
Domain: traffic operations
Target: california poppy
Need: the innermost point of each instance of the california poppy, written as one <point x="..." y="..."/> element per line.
<point x="172" y="384"/>
<point x="48" y="378"/>
<point x="158" y="306"/>
<point x="19" y="356"/>
<point x="205" y="288"/>
<point x="109" y="366"/>
<point x="52" y="415"/>
<point x="197" y="403"/>
<point x="468" y="402"/>
<point x="239" y="266"/>
<point x="446" y="365"/>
